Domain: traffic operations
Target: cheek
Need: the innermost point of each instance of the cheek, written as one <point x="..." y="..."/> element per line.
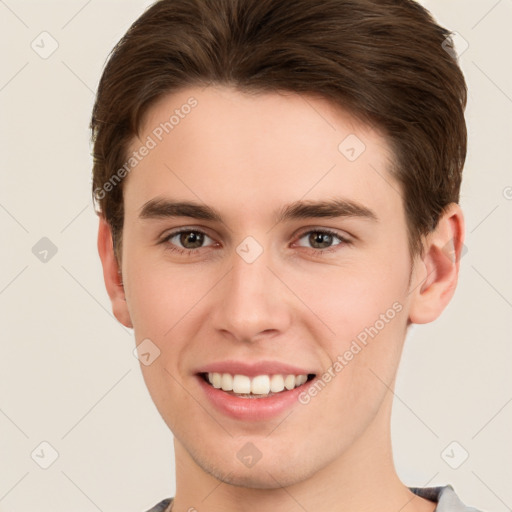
<point x="159" y="294"/>
<point x="349" y="300"/>
<point x="161" y="303"/>
<point x="364" y="313"/>
<point x="168" y="305"/>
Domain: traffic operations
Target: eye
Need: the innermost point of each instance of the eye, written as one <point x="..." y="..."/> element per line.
<point x="321" y="240"/>
<point x="185" y="240"/>
<point x="190" y="241"/>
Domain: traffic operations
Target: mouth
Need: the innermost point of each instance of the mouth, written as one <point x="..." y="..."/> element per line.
<point x="257" y="387"/>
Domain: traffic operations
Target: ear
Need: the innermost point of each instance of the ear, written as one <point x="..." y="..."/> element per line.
<point x="435" y="274"/>
<point x="112" y="274"/>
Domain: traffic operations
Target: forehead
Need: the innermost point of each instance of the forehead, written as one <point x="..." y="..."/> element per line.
<point x="255" y="151"/>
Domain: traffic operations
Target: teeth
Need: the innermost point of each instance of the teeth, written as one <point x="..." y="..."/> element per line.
<point x="241" y="384"/>
<point x="259" y="385"/>
<point x="227" y="382"/>
<point x="216" y="380"/>
<point x="300" y="379"/>
<point x="276" y="383"/>
<point x="289" y="382"/>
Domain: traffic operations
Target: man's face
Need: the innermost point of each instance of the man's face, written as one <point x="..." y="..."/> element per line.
<point x="258" y="293"/>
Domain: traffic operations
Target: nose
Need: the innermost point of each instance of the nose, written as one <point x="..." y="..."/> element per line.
<point x="251" y="301"/>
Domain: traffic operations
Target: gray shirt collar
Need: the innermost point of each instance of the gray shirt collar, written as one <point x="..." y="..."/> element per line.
<point x="445" y="497"/>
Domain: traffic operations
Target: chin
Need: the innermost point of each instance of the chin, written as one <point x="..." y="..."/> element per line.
<point x="265" y="474"/>
<point x="258" y="479"/>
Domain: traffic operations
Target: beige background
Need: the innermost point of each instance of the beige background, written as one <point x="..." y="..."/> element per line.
<point x="68" y="376"/>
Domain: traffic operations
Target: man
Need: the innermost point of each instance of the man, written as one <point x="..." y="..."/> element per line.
<point x="278" y="186"/>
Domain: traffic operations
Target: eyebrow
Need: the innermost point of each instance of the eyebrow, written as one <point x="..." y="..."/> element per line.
<point x="334" y="208"/>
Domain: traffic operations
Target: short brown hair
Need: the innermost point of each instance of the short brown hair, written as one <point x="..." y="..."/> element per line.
<point x="386" y="62"/>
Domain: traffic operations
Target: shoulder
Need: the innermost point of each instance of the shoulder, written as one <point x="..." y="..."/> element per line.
<point x="162" y="506"/>
<point x="445" y="497"/>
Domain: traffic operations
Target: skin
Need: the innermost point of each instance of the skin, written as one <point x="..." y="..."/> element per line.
<point x="248" y="156"/>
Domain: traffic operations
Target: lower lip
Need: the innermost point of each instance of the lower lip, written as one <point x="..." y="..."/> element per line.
<point x="252" y="409"/>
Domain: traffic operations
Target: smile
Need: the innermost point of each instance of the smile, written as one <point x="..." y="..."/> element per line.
<point x="253" y="390"/>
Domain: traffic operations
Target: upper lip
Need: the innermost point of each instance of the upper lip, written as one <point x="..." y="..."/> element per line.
<point x="253" y="369"/>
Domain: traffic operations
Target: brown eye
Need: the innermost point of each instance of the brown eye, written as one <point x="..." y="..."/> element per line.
<point x="186" y="240"/>
<point x="320" y="240"/>
<point x="191" y="239"/>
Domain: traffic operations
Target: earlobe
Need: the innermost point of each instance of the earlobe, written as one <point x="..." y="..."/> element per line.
<point x="436" y="273"/>
<point x="112" y="275"/>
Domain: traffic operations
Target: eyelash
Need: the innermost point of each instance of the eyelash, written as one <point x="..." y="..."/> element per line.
<point x="317" y="252"/>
